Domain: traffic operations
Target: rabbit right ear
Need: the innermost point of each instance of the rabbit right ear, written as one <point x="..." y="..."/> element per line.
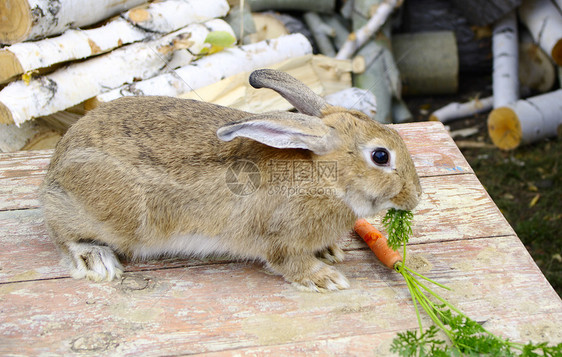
<point x="290" y="88"/>
<point x="284" y="130"/>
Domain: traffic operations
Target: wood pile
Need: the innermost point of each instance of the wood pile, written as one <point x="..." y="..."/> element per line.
<point x="60" y="59"/>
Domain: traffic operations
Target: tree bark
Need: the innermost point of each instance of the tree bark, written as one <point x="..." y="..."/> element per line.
<point x="170" y="15"/>
<point x="35" y="19"/>
<point x="544" y="21"/>
<point x="213" y="68"/>
<point x="505" y="48"/>
<point x="71" y="85"/>
<point x="526" y="121"/>
<point x="72" y="45"/>
<point x="461" y="110"/>
<point x="359" y="37"/>
<point x="78" y="44"/>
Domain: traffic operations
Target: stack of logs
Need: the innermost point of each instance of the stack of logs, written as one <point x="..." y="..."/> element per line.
<point x="63" y="58"/>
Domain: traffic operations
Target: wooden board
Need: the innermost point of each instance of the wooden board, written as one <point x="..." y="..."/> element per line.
<point x="218" y="306"/>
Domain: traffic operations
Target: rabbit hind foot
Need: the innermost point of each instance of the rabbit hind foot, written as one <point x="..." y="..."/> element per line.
<point x="94" y="262"/>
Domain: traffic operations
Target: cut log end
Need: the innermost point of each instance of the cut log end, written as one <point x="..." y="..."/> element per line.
<point x="556" y="52"/>
<point x="91" y="104"/>
<point x="15" y="21"/>
<point x="43" y="141"/>
<point x="358" y="64"/>
<point x="5" y="115"/>
<point x="138" y="15"/>
<point x="9" y="66"/>
<point x="504" y="128"/>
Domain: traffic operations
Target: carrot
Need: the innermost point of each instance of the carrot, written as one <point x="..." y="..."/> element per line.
<point x="378" y="243"/>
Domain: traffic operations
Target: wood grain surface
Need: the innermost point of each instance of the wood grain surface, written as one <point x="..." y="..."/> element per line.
<point x="217" y="306"/>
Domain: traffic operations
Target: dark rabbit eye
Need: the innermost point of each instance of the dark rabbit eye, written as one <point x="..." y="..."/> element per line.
<point x="380" y="156"/>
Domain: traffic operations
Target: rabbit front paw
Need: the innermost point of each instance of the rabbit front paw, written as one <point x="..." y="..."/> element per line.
<point x="310" y="274"/>
<point x="326" y="279"/>
<point x="332" y="254"/>
<point x="94" y="262"/>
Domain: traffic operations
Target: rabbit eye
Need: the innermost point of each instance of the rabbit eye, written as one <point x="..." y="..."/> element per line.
<point x="380" y="157"/>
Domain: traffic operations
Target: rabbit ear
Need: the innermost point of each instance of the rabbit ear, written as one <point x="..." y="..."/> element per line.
<point x="290" y="88"/>
<point x="283" y="130"/>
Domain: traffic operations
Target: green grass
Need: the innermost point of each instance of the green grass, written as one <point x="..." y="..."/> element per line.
<point x="526" y="184"/>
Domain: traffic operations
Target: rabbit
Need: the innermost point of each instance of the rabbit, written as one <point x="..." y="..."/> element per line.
<point x="145" y="177"/>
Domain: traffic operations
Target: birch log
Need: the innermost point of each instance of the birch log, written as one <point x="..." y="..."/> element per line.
<point x="505" y="48"/>
<point x="544" y="21"/>
<point x="376" y="78"/>
<point x="242" y="23"/>
<point x="461" y="110"/>
<point x="31" y="135"/>
<point x="33" y="19"/>
<point x="268" y="26"/>
<point x="381" y="76"/>
<point x="71" y="85"/>
<point x="427" y="61"/>
<point x="320" y="31"/>
<point x="536" y="70"/>
<point x="356" y="99"/>
<point x="526" y="121"/>
<point x="359" y="37"/>
<point x="213" y="68"/>
<point x="166" y="16"/>
<point x="77" y="44"/>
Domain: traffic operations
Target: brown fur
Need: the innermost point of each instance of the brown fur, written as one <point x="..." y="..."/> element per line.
<point x="140" y="170"/>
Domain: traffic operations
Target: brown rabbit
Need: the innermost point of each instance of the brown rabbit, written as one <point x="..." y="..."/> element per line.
<point x="151" y="176"/>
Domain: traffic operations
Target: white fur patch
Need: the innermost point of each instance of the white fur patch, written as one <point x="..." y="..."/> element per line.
<point x="95" y="262"/>
<point x="183" y="245"/>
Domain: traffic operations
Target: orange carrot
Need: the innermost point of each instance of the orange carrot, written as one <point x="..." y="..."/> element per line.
<point x="377" y="242"/>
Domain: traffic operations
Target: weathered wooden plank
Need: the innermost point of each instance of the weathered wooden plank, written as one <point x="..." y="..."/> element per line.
<point x="453" y="207"/>
<point x="21" y="173"/>
<point x="233" y="306"/>
<point x="27" y="253"/>
<point x="532" y="328"/>
<point x="433" y="150"/>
